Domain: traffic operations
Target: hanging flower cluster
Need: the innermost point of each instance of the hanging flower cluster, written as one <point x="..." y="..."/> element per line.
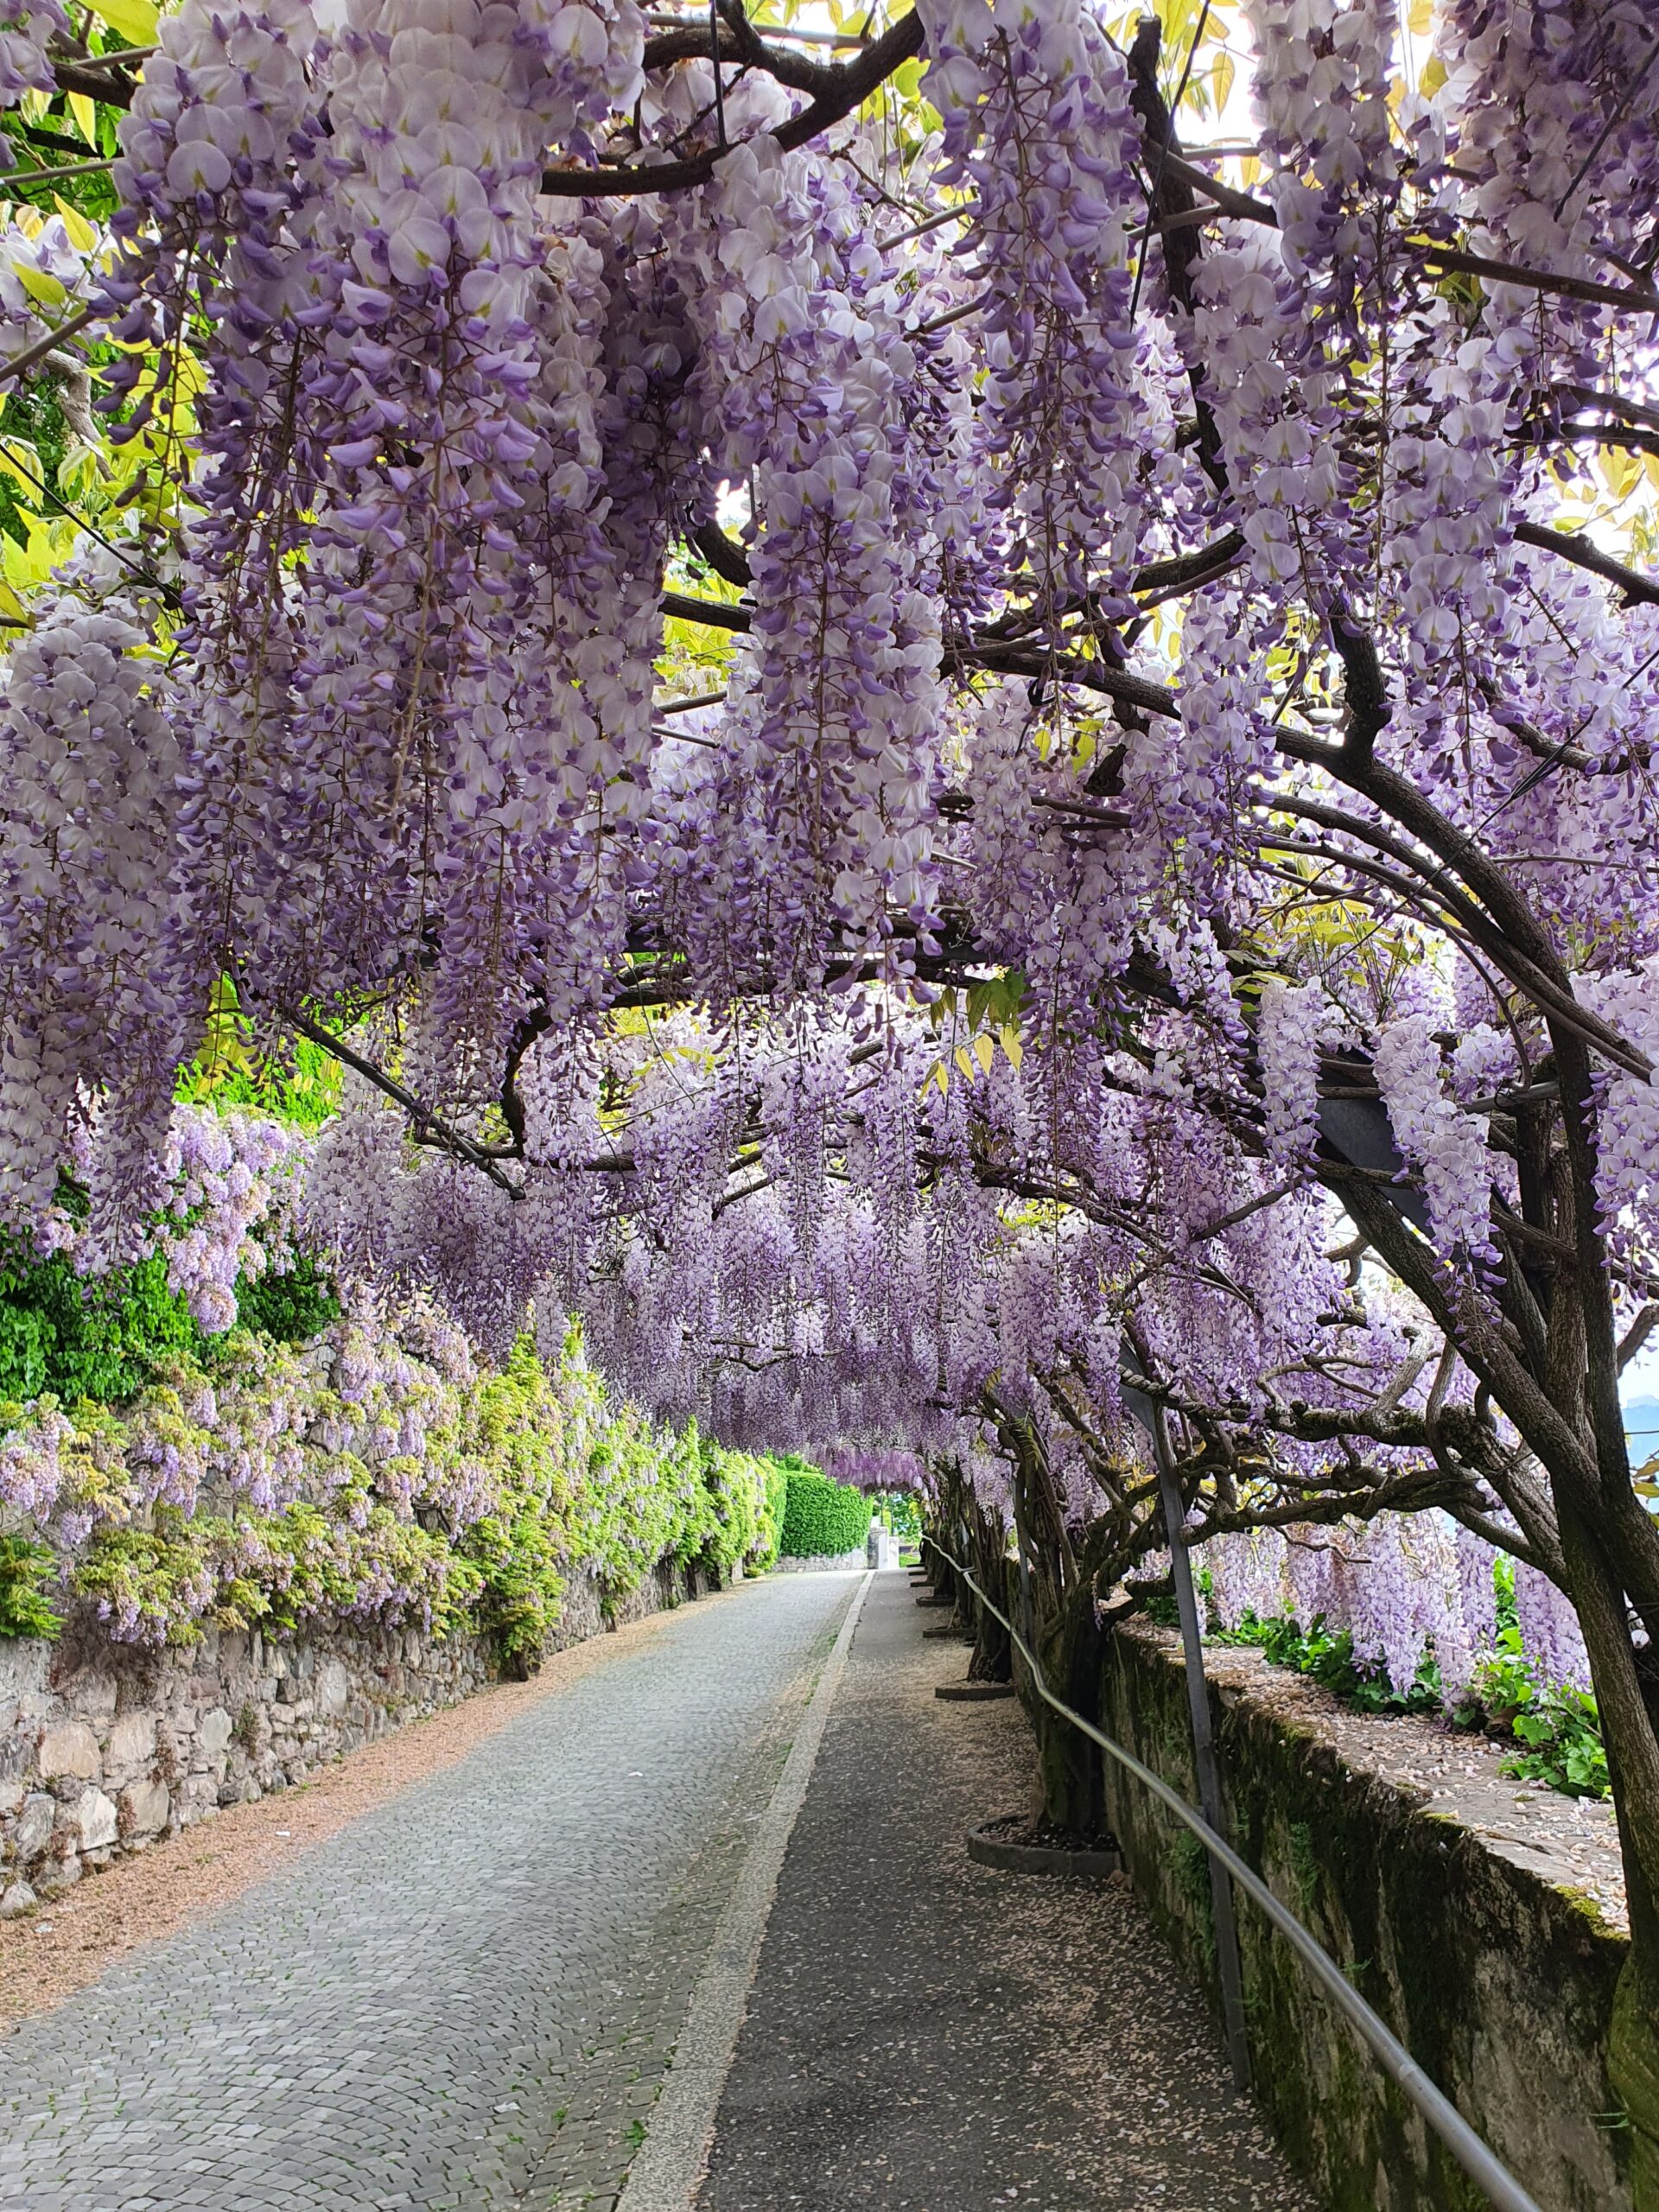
<point x="1289" y="1029"/>
<point x="1436" y="1137"/>
<point x="27" y="29"/>
<point x="1402" y="1590"/>
<point x="1039" y="131"/>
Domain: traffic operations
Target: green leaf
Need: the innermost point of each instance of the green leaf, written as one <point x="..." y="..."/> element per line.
<point x="134" y="20"/>
<point x="41" y="284"/>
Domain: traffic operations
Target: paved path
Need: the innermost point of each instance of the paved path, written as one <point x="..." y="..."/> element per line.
<point x="467" y="2001"/>
<point x="464" y="2002"/>
<point x="927" y="2036"/>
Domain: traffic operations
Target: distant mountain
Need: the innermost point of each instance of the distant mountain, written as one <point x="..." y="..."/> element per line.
<point x="1642" y="1421"/>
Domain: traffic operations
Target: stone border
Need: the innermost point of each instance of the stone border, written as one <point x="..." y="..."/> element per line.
<point x="1445" y="1889"/>
<point x="987" y="1850"/>
<point x="823" y="1563"/>
<point x="106" y="1748"/>
<point x="971" y="1693"/>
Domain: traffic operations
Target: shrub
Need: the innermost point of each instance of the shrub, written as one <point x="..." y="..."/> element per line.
<point x="99" y="1339"/>
<point x="292" y="1304"/>
<point x="737" y="1486"/>
<point x="26" y="1573"/>
<point x="821" y="1517"/>
<point x="107" y="1338"/>
<point x="771" y="1515"/>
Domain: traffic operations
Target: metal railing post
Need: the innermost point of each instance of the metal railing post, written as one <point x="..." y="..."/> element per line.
<point x="1204" y="1757"/>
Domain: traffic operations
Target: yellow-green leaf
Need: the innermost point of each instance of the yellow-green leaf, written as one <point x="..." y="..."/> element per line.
<point x="985" y="1051"/>
<point x="41" y="284"/>
<point x="79" y="232"/>
<point x="136" y="20"/>
<point x="963" y="1062"/>
<point x="19" y="459"/>
<point x="84" y="108"/>
<point x="1011" y="1045"/>
<point x="1619" y="471"/>
<point x="1421" y="20"/>
<point x="907" y="79"/>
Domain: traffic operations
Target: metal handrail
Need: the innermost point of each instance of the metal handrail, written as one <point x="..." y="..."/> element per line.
<point x="1396" y="2061"/>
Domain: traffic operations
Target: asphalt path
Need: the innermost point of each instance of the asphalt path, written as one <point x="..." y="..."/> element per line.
<point x="926" y="2035"/>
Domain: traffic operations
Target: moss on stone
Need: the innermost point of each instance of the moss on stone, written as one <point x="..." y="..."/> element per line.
<point x="1499" y="1983"/>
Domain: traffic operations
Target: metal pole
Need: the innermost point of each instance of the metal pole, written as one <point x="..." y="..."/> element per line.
<point x="1204" y="1755"/>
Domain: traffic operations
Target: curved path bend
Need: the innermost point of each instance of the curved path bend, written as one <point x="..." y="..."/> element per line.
<point x="468" y="2000"/>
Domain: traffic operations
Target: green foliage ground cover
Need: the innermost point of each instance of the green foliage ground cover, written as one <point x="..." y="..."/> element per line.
<point x="1554" y="1731"/>
<point x="820" y="1517"/>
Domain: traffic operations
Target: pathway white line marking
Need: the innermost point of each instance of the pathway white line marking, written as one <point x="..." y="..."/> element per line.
<point x="668" y="2169"/>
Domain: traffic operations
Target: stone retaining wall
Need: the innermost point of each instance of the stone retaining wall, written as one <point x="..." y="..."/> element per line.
<point x="1497" y="1976"/>
<point x="821" y="1563"/>
<point x="105" y="1748"/>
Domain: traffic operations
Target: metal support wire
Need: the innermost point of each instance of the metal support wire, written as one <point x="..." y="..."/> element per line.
<point x="1396" y="2061"/>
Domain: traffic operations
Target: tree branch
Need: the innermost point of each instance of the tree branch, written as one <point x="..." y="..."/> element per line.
<point x="1571" y="546"/>
<point x="845" y="86"/>
<point x="33" y="356"/>
<point x="1642" y="300"/>
<point x="428" y="1127"/>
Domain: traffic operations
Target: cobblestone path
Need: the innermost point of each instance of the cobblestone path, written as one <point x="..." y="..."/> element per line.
<point x="464" y="2002"/>
<point x="925" y="2035"/>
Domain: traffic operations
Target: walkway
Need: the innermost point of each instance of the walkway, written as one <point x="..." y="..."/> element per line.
<point x="927" y="2036"/>
<point x="464" y="2000"/>
<point x="467" y="2001"/>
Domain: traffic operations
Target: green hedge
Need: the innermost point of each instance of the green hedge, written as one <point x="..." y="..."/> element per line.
<point x="821" y="1517"/>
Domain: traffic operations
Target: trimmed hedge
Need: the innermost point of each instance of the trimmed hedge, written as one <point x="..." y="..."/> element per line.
<point x="822" y="1517"/>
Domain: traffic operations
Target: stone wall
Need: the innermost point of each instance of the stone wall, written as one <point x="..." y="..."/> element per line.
<point x="105" y="1748"/>
<point x="1495" y="1975"/>
<point x="820" y="1563"/>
